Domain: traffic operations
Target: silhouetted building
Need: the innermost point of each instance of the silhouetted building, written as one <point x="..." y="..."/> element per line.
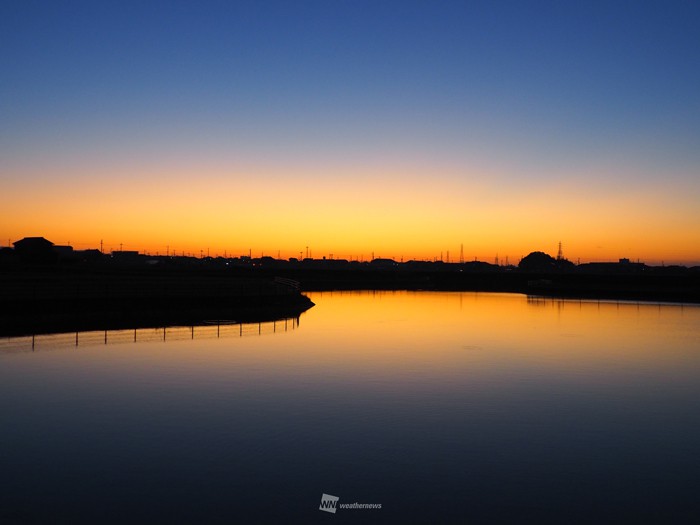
<point x="384" y="263"/>
<point x="127" y="258"/>
<point x="621" y="267"/>
<point x="91" y="255"/>
<point x="64" y="252"/>
<point x="35" y="250"/>
<point x="7" y="256"/>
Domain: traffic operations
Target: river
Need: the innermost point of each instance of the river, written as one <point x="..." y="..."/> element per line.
<point x="435" y="407"/>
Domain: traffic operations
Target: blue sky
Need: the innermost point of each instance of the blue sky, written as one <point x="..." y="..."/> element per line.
<point x="528" y="74"/>
<point x="524" y="93"/>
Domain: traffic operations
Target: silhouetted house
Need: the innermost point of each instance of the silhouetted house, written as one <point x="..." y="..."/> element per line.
<point x="64" y="253"/>
<point x="421" y="266"/>
<point x="267" y="262"/>
<point x="128" y="258"/>
<point x="90" y="255"/>
<point x="384" y="264"/>
<point x="622" y="267"/>
<point x="479" y="267"/>
<point x="35" y="250"/>
<point x="7" y="256"/>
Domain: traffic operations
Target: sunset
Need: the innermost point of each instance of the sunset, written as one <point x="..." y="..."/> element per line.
<point x="399" y="261"/>
<point x="401" y="129"/>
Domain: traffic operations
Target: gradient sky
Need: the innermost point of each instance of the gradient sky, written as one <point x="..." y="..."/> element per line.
<point x="403" y="129"/>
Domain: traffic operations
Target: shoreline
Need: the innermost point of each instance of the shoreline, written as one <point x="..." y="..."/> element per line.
<point x="681" y="288"/>
<point x="47" y="300"/>
<point x="41" y="302"/>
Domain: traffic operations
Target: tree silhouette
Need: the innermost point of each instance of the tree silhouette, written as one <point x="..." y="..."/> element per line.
<point x="543" y="262"/>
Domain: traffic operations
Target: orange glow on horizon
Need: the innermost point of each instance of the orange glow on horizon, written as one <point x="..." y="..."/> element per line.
<point x="395" y="213"/>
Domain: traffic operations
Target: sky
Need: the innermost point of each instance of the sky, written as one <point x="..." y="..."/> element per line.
<point x="409" y="130"/>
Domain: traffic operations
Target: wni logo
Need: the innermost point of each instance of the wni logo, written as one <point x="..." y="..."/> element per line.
<point x="328" y="503"/>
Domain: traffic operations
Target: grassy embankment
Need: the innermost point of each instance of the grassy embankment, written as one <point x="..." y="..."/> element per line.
<point x="34" y="301"/>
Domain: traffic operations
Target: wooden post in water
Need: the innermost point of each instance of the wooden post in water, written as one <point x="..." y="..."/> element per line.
<point x="76" y="338"/>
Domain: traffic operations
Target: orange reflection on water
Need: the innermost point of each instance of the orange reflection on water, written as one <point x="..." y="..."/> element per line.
<point x="419" y="339"/>
<point x="429" y="330"/>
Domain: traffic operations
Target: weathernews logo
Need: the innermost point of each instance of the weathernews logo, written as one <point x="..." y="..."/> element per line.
<point x="330" y="504"/>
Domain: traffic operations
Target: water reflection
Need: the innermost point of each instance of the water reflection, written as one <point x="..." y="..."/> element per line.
<point x="212" y="329"/>
<point x="443" y="407"/>
<point x="440" y="330"/>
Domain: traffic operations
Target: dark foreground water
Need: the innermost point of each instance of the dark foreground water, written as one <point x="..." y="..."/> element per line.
<point x="441" y="407"/>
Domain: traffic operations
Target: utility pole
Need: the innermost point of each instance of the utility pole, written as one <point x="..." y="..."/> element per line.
<point x="101" y="246"/>
<point x="461" y="253"/>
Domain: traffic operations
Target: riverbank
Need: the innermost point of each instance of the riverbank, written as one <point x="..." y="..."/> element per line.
<point x="37" y="301"/>
<point x="45" y="299"/>
<point x="662" y="285"/>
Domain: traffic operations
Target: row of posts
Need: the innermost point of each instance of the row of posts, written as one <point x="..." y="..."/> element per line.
<point x="295" y="322"/>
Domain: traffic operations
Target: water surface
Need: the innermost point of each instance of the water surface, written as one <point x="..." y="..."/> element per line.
<point x="440" y="406"/>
